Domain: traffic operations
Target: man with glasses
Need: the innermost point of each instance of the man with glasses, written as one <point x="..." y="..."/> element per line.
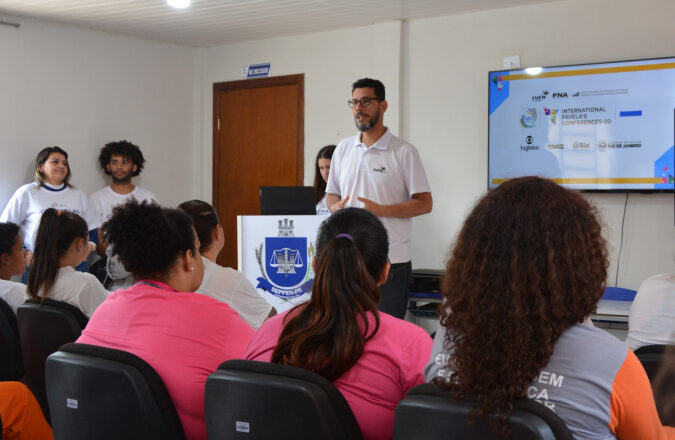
<point x="377" y="171"/>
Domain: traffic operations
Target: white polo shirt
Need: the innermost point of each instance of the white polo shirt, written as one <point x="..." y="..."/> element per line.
<point x="102" y="202"/>
<point x="651" y="320"/>
<point x="389" y="172"/>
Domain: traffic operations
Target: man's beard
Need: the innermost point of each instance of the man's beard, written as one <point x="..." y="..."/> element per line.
<point x="368" y="125"/>
<point x="121" y="181"/>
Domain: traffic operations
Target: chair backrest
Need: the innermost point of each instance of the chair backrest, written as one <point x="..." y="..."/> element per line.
<point x="11" y="363"/>
<point x="102" y="393"/>
<point x="259" y="400"/>
<point x="429" y="412"/>
<point x="651" y="357"/>
<point x="43" y="328"/>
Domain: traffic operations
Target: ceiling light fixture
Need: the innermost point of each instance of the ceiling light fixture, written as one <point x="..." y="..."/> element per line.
<point x="178" y="4"/>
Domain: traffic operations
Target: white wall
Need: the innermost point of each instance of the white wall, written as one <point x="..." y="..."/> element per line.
<point x="440" y="67"/>
<point x="446" y="64"/>
<point x="80" y="89"/>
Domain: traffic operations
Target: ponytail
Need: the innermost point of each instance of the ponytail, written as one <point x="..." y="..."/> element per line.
<point x="327" y="335"/>
<point x="57" y="231"/>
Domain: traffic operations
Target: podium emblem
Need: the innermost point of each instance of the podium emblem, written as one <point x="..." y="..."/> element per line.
<point x="285" y="263"/>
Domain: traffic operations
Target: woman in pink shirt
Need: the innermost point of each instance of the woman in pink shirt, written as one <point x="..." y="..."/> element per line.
<point x="182" y="335"/>
<point x="371" y="357"/>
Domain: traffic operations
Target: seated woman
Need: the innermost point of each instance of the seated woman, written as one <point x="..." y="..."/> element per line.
<point x="183" y="336"/>
<point x="223" y="283"/>
<point x="528" y="267"/>
<point x="371" y="357"/>
<point x="321" y="171"/>
<point x="61" y="244"/>
<point x="12" y="262"/>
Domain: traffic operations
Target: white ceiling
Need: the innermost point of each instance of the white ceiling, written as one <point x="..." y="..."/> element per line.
<point x="217" y="22"/>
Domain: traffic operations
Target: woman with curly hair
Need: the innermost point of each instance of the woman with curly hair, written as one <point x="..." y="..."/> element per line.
<point x="528" y="267"/>
<point x="371" y="357"/>
<point x="183" y="336"/>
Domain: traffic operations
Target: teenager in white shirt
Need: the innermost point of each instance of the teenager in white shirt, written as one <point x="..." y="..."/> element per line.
<point x="61" y="244"/>
<point x="51" y="189"/>
<point x="224" y="283"/>
<point x="321" y="171"/>
<point x="12" y="262"/>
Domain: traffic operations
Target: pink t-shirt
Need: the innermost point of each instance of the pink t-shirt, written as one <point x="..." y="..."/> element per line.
<point x="183" y="336"/>
<point x="392" y="362"/>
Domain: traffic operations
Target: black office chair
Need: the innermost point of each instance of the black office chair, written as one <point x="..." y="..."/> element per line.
<point x="259" y="400"/>
<point x="11" y="364"/>
<point x="43" y="328"/>
<point x="102" y="393"/>
<point x="429" y="412"/>
<point x="653" y="358"/>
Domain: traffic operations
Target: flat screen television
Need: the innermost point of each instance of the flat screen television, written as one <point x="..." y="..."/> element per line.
<point x="596" y="127"/>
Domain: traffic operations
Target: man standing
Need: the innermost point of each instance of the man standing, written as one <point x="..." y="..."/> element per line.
<point x="121" y="161"/>
<point x="377" y="171"/>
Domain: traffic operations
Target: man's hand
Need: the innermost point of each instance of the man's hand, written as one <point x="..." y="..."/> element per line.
<point x="334" y="203"/>
<point x="371" y="206"/>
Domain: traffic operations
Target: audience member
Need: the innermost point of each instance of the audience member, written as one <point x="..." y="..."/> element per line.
<point x="321" y="170"/>
<point x="51" y="189"/>
<point x="12" y="262"/>
<point x="651" y="320"/>
<point x="664" y="387"/>
<point x="371" y="357"/>
<point x="61" y="244"/>
<point x="183" y="336"/>
<point x="223" y="283"/>
<point x="528" y="267"/>
<point x="21" y="414"/>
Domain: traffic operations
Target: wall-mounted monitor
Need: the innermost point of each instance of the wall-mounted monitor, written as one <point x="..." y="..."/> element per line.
<point x="597" y="127"/>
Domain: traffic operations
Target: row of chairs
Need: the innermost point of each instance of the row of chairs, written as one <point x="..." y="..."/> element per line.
<point x="97" y="392"/>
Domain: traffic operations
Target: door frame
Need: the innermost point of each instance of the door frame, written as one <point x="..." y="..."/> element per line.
<point x="275" y="81"/>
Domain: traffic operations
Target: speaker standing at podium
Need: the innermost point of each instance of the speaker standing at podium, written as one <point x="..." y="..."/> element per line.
<point x="377" y="171"/>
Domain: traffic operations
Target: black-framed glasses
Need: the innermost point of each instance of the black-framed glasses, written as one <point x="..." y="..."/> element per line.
<point x="365" y="101"/>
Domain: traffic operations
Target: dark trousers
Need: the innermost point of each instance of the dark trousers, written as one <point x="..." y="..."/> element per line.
<point x="394" y="293"/>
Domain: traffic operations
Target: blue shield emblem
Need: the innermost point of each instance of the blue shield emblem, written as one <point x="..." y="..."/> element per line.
<point x="286" y="260"/>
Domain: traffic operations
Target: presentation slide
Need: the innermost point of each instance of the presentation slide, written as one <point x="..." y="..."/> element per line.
<point x="597" y="127"/>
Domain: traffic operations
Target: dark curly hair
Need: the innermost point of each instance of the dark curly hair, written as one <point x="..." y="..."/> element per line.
<point x="529" y="262"/>
<point x="124" y="149"/>
<point x="8" y="233"/>
<point x="320" y="184"/>
<point x="204" y="219"/>
<point x="148" y="238"/>
<point x="374" y="84"/>
<point x="325" y="336"/>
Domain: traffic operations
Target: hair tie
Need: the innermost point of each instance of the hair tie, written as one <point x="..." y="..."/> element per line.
<point x="58" y="213"/>
<point x="345" y="235"/>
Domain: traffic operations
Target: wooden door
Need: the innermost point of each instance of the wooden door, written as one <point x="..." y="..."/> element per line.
<point x="257" y="141"/>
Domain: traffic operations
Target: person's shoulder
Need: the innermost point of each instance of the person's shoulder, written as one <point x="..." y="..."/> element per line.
<point x="400" y="327"/>
<point x="662" y="279"/>
<point x="99" y="194"/>
<point x="400" y="145"/>
<point x="144" y="194"/>
<point x="9" y="285"/>
<point x="27" y="188"/>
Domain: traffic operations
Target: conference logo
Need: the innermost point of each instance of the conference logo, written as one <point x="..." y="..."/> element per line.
<point x="552" y="114"/>
<point x="559" y="95"/>
<point x="497" y="80"/>
<point x="529" y="118"/>
<point x="537" y="98"/>
<point x="284" y="263"/>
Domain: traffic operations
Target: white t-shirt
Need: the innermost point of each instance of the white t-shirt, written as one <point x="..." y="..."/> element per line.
<point x="13" y="293"/>
<point x="231" y="287"/>
<point x="321" y="207"/>
<point x="102" y="202"/>
<point x="26" y="206"/>
<point x="80" y="289"/>
<point x="651" y="320"/>
<point x="389" y="172"/>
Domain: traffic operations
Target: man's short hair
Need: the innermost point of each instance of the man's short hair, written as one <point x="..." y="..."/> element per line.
<point x="374" y="84"/>
<point x="124" y="149"/>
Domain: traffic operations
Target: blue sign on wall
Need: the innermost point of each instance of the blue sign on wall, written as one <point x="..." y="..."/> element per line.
<point x="258" y="70"/>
